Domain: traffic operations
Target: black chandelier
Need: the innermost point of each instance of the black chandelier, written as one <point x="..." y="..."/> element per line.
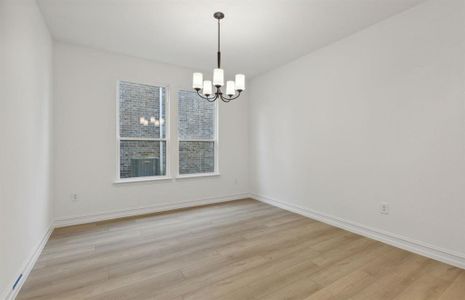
<point x="204" y="88"/>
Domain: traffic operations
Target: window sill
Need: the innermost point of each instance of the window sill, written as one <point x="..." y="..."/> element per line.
<point x="197" y="175"/>
<point x="142" y="179"/>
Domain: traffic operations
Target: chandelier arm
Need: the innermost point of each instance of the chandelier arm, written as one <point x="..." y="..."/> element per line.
<point x="227" y="99"/>
<point x="209" y="99"/>
<point x="200" y="95"/>
<point x="213" y="99"/>
<point x="224" y="99"/>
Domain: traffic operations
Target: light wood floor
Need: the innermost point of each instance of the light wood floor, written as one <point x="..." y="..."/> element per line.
<point x="237" y="250"/>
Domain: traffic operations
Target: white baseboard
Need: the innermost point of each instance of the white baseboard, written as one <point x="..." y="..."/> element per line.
<point x="418" y="247"/>
<point x="10" y="293"/>
<point x="83" y="219"/>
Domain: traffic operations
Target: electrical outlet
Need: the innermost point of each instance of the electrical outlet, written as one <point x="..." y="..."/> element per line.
<point x="384" y="208"/>
<point x="74" y="197"/>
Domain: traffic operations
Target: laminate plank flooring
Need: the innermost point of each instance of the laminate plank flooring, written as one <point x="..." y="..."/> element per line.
<point x="235" y="250"/>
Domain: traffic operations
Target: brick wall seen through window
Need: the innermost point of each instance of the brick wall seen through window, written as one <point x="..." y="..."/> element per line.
<point x="196" y="133"/>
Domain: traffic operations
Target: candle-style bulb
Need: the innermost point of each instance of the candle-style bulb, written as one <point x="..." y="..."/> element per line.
<point x="240" y="82"/>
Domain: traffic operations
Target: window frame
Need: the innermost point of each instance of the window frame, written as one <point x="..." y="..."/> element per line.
<point x="167" y="175"/>
<point x="216" y="141"/>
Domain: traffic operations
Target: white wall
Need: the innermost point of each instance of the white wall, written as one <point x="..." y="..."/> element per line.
<point x="25" y="136"/>
<point x="378" y="116"/>
<point x="85" y="137"/>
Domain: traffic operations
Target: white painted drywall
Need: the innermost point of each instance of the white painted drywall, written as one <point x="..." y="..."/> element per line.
<point x="85" y="131"/>
<point x="25" y="136"/>
<point x="378" y="116"/>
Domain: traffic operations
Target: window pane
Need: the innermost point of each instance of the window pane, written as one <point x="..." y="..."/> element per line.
<point x="196" y="117"/>
<point x="196" y="157"/>
<point x="142" y="110"/>
<point x="142" y="158"/>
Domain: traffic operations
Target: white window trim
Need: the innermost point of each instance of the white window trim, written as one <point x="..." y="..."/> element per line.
<point x="143" y="179"/>
<point x="216" y="141"/>
<point x="167" y="176"/>
<point x="185" y="176"/>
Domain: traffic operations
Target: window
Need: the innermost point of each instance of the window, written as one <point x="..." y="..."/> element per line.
<point x="142" y="137"/>
<point x="196" y="134"/>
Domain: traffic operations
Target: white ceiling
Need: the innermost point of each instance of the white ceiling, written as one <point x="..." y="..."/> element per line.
<point x="257" y="35"/>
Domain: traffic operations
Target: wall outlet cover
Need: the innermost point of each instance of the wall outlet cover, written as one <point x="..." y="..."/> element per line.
<point x="384" y="208"/>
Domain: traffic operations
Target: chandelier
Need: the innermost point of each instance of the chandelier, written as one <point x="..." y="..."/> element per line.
<point x="204" y="88"/>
